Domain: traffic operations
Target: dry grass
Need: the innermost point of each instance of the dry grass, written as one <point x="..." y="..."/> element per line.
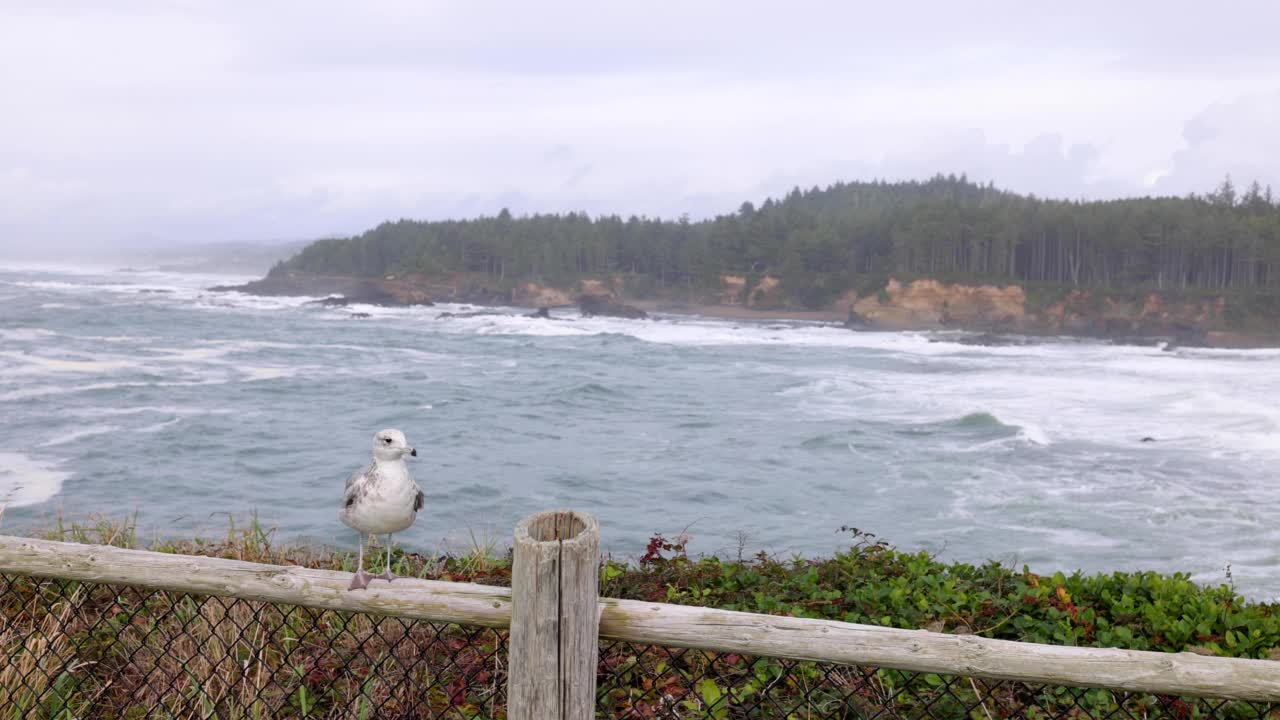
<point x="41" y="656"/>
<point x="77" y="650"/>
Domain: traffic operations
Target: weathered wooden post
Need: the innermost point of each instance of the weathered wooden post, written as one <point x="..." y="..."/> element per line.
<point x="555" y="620"/>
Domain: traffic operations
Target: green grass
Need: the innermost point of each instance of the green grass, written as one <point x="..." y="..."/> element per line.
<point x="874" y="583"/>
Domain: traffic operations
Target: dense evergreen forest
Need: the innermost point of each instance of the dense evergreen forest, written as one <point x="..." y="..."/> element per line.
<point x="854" y="235"/>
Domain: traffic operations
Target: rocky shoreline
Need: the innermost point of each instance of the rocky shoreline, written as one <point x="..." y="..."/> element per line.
<point x="394" y="291"/>
<point x="1001" y="315"/>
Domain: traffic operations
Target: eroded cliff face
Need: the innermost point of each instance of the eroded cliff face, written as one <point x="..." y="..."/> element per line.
<point x="925" y="304"/>
<point x="532" y="294"/>
<point x="1089" y="312"/>
<point x="929" y="304"/>
<point x="767" y="292"/>
<point x="731" y="289"/>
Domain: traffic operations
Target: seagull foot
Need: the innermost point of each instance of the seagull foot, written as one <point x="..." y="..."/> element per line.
<point x="360" y="581"/>
<point x="387" y="575"/>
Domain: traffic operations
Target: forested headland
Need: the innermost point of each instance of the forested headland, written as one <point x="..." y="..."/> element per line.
<point x="849" y="240"/>
<point x="821" y="241"/>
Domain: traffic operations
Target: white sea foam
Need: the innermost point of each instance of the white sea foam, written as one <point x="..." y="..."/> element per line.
<point x="26" y="481"/>
<point x="128" y="339"/>
<point x="209" y="361"/>
<point x="1097" y="394"/>
<point x="36" y="391"/>
<point x="27" y="393"/>
<point x="39" y="365"/>
<point x="55" y="285"/>
<point x="26" y="334"/>
<point x="507" y="324"/>
<point x="1068" y="537"/>
<point x="147" y="409"/>
<point x="223" y="301"/>
<point x="191" y="354"/>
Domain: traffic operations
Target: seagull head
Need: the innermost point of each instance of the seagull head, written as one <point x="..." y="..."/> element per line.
<point x="390" y="445"/>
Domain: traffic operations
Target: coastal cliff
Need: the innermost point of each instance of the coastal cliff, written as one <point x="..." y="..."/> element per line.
<point x="922" y="304"/>
<point x="929" y="304"/>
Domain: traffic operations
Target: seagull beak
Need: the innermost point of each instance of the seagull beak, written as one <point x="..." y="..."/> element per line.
<point x="413" y="452"/>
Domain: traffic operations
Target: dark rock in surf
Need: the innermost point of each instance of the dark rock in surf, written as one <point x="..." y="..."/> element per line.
<point x="856" y="321"/>
<point x="474" y="313"/>
<point x="389" y="291"/>
<point x="542" y="312"/>
<point x="993" y="340"/>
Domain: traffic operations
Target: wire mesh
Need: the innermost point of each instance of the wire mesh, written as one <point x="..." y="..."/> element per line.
<point x="668" y="683"/>
<point x="100" y="651"/>
<point x="83" y="650"/>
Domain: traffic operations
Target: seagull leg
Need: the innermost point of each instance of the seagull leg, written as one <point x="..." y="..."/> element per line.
<point x="361" y="579"/>
<point x="387" y="575"/>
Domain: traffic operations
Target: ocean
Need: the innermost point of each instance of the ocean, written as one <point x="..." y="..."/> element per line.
<point x="141" y="392"/>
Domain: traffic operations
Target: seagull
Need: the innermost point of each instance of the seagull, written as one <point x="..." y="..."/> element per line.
<point x="381" y="498"/>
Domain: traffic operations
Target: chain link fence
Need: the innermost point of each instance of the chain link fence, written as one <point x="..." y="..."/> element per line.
<point x="82" y="650"/>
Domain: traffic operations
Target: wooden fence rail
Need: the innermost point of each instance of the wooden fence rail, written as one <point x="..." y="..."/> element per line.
<point x="662" y="624"/>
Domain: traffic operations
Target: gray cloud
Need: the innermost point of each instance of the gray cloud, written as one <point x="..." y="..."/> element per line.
<point x="196" y="121"/>
<point x="1240" y="138"/>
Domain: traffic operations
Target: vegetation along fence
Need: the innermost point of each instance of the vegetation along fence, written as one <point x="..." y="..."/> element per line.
<point x="92" y="631"/>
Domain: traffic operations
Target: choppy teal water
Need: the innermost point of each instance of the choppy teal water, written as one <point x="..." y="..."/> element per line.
<point x="124" y="392"/>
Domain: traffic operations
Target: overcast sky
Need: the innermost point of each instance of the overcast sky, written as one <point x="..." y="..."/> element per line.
<point x="206" y="121"/>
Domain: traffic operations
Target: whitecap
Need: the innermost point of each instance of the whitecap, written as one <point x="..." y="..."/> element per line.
<point x="224" y="301"/>
<point x="1067" y="537"/>
<point x="65" y="438"/>
<point x="144" y="409"/>
<point x="54" y="285"/>
<point x="116" y="338"/>
<point x="28" y="393"/>
<point x="37" y="364"/>
<point x="1033" y="434"/>
<point x="25" y="334"/>
<point x="158" y="426"/>
<point x="192" y="354"/>
<point x="253" y="374"/>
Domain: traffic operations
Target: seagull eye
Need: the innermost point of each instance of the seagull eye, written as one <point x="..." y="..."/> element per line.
<point x="387" y="440"/>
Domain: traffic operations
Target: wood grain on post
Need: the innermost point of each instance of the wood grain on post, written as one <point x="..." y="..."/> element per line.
<point x="555" y="617"/>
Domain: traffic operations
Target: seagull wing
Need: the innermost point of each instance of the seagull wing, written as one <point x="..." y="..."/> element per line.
<point x="356" y="484"/>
